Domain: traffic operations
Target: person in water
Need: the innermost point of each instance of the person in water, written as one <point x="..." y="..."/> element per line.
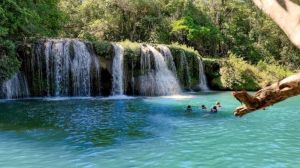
<point x="203" y="108"/>
<point x="189" y="109"/>
<point x="214" y="109"/>
<point x="218" y="105"/>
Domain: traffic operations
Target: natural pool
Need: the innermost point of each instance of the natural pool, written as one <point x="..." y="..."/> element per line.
<point x="146" y="132"/>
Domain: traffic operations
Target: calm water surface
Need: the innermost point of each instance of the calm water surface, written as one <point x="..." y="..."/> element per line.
<point x="146" y="132"/>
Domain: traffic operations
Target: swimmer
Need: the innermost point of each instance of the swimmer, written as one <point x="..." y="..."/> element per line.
<point x="189" y="109"/>
<point x="218" y="105"/>
<point x="203" y="108"/>
<point x="214" y="109"/>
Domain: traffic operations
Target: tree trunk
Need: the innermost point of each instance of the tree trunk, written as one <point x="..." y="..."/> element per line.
<point x="286" y="15"/>
<point x="267" y="96"/>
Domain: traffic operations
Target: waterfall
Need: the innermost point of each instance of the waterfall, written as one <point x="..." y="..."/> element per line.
<point x="165" y="51"/>
<point x="185" y="71"/>
<point x="47" y="56"/>
<point x="70" y="67"/>
<point x="117" y="70"/>
<point x="64" y="67"/>
<point x="202" y="77"/>
<point x="60" y="66"/>
<point x="16" y="87"/>
<point x="81" y="69"/>
<point x="132" y="78"/>
<point x="96" y="76"/>
<point x="156" y="78"/>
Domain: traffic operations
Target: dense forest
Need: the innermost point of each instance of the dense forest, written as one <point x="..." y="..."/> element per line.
<point x="232" y="30"/>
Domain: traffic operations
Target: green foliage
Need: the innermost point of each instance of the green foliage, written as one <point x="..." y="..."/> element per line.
<point x="21" y="20"/>
<point x="237" y="74"/>
<point x="103" y="48"/>
<point x="187" y="74"/>
<point x="9" y="64"/>
<point x="114" y="20"/>
<point x="212" y="28"/>
<point x="26" y="18"/>
<point x="133" y="46"/>
<point x="188" y="30"/>
<point x="193" y="30"/>
<point x="212" y="67"/>
<point x="132" y="50"/>
<point x="189" y="51"/>
<point x="275" y="72"/>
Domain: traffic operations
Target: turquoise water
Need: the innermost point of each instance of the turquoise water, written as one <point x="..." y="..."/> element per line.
<point x="146" y="132"/>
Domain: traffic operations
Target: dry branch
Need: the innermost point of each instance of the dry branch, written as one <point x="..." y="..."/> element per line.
<point x="267" y="96"/>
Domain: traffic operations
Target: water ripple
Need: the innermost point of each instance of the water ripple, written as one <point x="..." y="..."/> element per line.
<point x="146" y="132"/>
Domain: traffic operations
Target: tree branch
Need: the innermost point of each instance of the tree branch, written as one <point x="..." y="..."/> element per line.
<point x="267" y="96"/>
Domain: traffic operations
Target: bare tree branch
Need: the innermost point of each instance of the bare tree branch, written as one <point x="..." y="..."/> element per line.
<point x="267" y="96"/>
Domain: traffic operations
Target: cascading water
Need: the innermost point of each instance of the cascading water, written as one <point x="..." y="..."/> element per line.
<point x="165" y="51"/>
<point x="117" y="70"/>
<point x="16" y="87"/>
<point x="70" y="67"/>
<point x="202" y="77"/>
<point x="185" y="70"/>
<point x="81" y="69"/>
<point x="60" y="67"/>
<point x="64" y="68"/>
<point x="156" y="78"/>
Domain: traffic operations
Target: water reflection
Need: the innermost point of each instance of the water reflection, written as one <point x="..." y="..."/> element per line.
<point x="96" y="122"/>
<point x="146" y="132"/>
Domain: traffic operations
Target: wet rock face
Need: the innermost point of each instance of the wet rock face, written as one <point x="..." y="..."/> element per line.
<point x="72" y="67"/>
<point x="62" y="67"/>
<point x="212" y="71"/>
<point x="106" y="82"/>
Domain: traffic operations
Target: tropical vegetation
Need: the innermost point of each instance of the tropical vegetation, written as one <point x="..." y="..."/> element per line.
<point x="235" y="31"/>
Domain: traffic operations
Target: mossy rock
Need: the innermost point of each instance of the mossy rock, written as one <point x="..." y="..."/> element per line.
<point x="192" y="68"/>
<point x="103" y="49"/>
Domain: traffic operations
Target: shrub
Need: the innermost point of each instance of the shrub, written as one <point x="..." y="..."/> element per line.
<point x="273" y="72"/>
<point x="102" y="48"/>
<point x="189" y="51"/>
<point x="9" y="63"/>
<point x="132" y="50"/>
<point x="237" y="74"/>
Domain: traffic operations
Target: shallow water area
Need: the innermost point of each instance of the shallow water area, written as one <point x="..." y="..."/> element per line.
<point x="146" y="132"/>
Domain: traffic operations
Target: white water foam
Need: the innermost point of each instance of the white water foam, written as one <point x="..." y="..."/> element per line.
<point x="117" y="69"/>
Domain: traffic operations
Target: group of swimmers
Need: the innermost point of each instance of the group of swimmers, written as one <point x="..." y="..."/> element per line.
<point x="214" y="109"/>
